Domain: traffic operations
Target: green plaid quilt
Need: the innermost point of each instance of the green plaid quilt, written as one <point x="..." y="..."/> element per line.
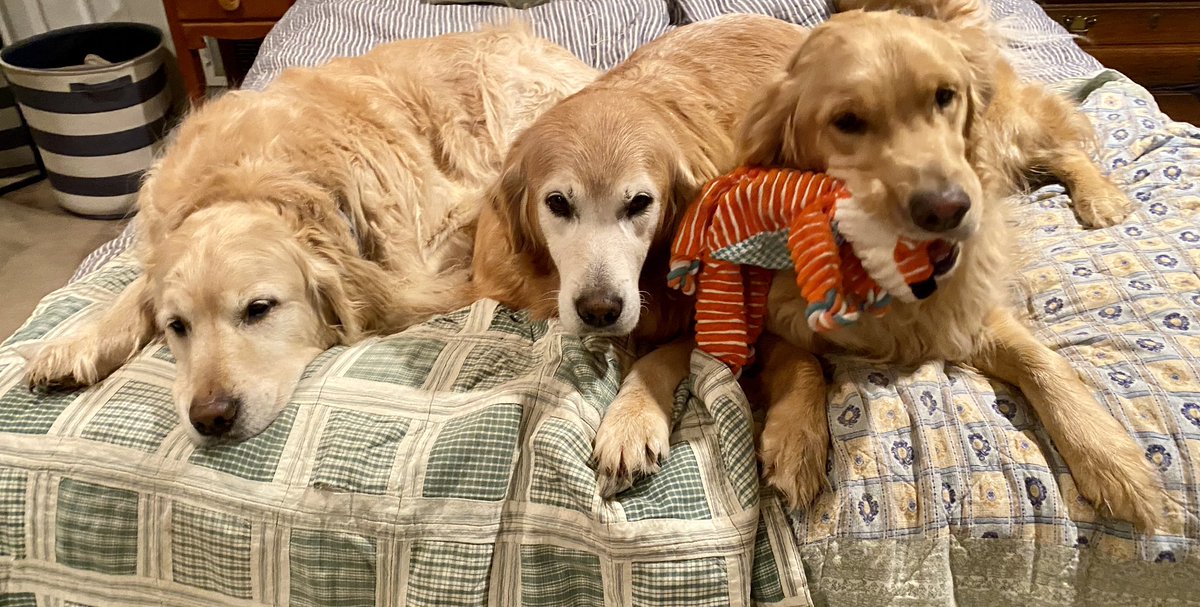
<point x="448" y="465"/>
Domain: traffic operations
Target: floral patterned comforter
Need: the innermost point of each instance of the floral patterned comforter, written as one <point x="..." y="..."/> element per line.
<point x="946" y="489"/>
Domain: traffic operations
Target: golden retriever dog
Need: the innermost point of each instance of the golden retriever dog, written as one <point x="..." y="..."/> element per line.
<point x="583" y="213"/>
<point x="336" y="204"/>
<point x="932" y="130"/>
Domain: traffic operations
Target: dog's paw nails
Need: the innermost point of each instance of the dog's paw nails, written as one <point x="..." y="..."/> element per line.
<point x="1103" y="209"/>
<point x="1123" y="485"/>
<point x="630" y="444"/>
<point x="618" y="471"/>
<point x="42" y="384"/>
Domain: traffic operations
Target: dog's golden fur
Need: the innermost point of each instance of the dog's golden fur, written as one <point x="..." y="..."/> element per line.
<point x="884" y="67"/>
<point x="661" y="124"/>
<point x="336" y="204"/>
<point x="668" y="112"/>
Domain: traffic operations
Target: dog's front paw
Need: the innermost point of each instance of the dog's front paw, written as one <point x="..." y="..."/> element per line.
<point x="632" y="440"/>
<point x="1101" y="204"/>
<point x="1119" y="481"/>
<point x="793" y="459"/>
<point x="58" y="364"/>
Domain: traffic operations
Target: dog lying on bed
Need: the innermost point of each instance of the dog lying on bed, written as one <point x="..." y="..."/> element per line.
<point x="337" y="204"/>
<point x="931" y="130"/>
<point x="587" y="202"/>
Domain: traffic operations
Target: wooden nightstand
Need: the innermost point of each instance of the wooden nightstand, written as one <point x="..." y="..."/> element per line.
<point x="224" y="20"/>
<point x="1156" y="43"/>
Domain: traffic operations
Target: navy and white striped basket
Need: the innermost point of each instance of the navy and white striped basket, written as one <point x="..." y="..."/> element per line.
<point x="19" y="163"/>
<point x="97" y="103"/>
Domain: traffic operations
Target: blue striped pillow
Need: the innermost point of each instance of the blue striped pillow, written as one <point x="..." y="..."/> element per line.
<point x="1042" y="49"/>
<point x="508" y="3"/>
<point x="600" y="32"/>
<point x="808" y="13"/>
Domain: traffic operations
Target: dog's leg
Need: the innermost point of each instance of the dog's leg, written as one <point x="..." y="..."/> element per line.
<point x="1108" y="466"/>
<point x="636" y="431"/>
<point x="105" y="343"/>
<point x="795" y="438"/>
<point x="1058" y="137"/>
<point x="1098" y="202"/>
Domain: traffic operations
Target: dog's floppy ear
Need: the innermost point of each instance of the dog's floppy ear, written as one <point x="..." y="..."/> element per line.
<point x="335" y="302"/>
<point x="768" y="123"/>
<point x="688" y="173"/>
<point x="331" y="278"/>
<point x="508" y="198"/>
<point x="700" y="148"/>
<point x="981" y="53"/>
<point x="767" y="134"/>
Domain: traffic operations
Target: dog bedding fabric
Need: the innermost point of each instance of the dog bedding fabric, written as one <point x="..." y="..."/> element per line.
<point x="946" y="489"/>
<point x="600" y="32"/>
<point x="449" y="465"/>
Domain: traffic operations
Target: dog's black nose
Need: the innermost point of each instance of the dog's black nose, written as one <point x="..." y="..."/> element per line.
<point x="939" y="211"/>
<point x="214" y="416"/>
<point x="599" y="310"/>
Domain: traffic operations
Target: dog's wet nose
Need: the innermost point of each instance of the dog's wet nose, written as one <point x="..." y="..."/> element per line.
<point x="599" y="310"/>
<point x="939" y="211"/>
<point x="214" y="416"/>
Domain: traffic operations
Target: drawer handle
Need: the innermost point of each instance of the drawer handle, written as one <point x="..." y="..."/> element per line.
<point x="230" y="5"/>
<point x="1154" y="21"/>
<point x="1078" y="25"/>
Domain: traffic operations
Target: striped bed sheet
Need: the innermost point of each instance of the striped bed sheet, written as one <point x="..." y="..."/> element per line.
<point x="600" y="32"/>
<point x="449" y="465"/>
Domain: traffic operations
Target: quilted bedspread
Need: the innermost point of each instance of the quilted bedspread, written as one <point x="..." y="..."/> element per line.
<point x="946" y="489"/>
<point x="449" y="464"/>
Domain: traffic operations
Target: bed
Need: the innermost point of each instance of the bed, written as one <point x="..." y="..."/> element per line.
<point x="449" y="464"/>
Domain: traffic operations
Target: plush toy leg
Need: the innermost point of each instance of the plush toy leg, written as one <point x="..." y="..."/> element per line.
<point x="721" y="313"/>
<point x="795" y="439"/>
<point x="758" y="285"/>
<point x="1108" y="466"/>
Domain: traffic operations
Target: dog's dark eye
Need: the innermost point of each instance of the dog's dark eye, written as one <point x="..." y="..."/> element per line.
<point x="944" y="97"/>
<point x="638" y="205"/>
<point x="258" y="309"/>
<point x="177" y="327"/>
<point x="850" y="124"/>
<point x="559" y="205"/>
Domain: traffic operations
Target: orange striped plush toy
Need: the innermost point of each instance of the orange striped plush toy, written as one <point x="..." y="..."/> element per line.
<point x="751" y="222"/>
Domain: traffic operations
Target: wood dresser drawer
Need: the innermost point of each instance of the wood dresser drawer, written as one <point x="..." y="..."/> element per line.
<point x="1153" y="66"/>
<point x="207" y="10"/>
<point x="1180" y="106"/>
<point x="1154" y="42"/>
<point x="237" y="26"/>
<point x="1141" y="23"/>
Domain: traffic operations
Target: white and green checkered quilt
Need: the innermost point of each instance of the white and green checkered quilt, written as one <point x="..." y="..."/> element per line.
<point x="449" y="465"/>
<point x="444" y="466"/>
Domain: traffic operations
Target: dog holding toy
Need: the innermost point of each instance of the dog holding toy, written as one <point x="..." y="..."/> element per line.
<point x="754" y="221"/>
<point x="928" y="155"/>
